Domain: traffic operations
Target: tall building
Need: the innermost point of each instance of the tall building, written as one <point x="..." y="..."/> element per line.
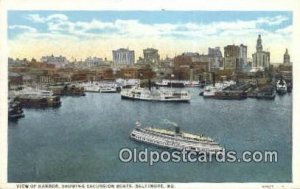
<point x="261" y="58"/>
<point x="216" y="58"/>
<point x="57" y="61"/>
<point x="189" y="65"/>
<point x="93" y="61"/>
<point x="286" y="57"/>
<point x="151" y="56"/>
<point x="123" y="56"/>
<point x="235" y="57"/>
<point x="243" y="56"/>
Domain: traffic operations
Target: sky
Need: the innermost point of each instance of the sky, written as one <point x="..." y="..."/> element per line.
<point x="79" y="34"/>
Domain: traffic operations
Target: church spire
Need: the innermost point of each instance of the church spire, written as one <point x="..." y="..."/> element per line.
<point x="286" y="57"/>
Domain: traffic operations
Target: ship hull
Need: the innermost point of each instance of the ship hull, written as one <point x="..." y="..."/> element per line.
<point x="214" y="152"/>
<point x="170" y="141"/>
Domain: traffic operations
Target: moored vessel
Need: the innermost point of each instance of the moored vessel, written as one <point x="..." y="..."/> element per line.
<point x="138" y="93"/>
<point x="230" y="95"/>
<point x="281" y="86"/>
<point x="267" y="92"/>
<point x="15" y="110"/>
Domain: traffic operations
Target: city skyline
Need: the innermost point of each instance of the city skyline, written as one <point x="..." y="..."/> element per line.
<point x="97" y="33"/>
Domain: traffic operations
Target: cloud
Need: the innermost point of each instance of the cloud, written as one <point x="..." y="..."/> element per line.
<point x="60" y="24"/>
<point x="277" y="20"/>
<point x="39" y="19"/>
<point x="35" y="18"/>
<point x="103" y="36"/>
<point x="285" y="31"/>
<point x="24" y="28"/>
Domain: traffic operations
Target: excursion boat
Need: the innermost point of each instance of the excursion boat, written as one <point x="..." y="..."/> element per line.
<point x="176" y="139"/>
<point x="138" y="93"/>
<point x="35" y="92"/>
<point x="281" y="86"/>
<point x="37" y="98"/>
<point x="127" y="83"/>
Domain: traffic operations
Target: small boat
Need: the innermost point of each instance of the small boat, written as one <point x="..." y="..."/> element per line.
<point x="268" y="92"/>
<point x="175" y="139"/>
<point x="15" y="110"/>
<point x="281" y="87"/>
<point x="266" y="95"/>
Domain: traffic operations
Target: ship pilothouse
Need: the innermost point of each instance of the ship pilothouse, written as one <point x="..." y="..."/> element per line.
<point x="174" y="139"/>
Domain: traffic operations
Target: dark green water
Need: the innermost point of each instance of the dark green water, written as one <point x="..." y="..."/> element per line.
<point x="80" y="141"/>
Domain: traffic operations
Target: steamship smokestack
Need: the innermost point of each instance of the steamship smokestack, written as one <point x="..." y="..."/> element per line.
<point x="213" y="78"/>
<point x="149" y="84"/>
<point x="177" y="130"/>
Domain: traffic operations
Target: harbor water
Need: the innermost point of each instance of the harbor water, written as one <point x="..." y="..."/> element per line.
<point x="80" y="141"/>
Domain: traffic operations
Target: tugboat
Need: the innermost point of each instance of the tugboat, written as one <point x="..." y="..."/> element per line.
<point x="281" y="87"/>
<point x="138" y="93"/>
<point x="268" y="92"/>
<point x="176" y="139"/>
<point x="15" y="110"/>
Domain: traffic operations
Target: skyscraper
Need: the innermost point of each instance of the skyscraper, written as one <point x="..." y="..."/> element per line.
<point x="123" y="56"/>
<point x="215" y="58"/>
<point x="235" y="57"/>
<point x="260" y="59"/>
<point x="151" y="56"/>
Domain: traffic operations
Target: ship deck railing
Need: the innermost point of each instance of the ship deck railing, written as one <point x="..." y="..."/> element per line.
<point x="163" y="138"/>
<point x="177" y="145"/>
<point x="172" y="134"/>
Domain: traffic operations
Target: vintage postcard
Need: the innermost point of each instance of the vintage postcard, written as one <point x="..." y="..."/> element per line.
<point x="110" y="95"/>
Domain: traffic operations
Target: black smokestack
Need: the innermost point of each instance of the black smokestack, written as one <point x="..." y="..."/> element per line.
<point x="213" y="78"/>
<point x="149" y="84"/>
<point x="177" y="130"/>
